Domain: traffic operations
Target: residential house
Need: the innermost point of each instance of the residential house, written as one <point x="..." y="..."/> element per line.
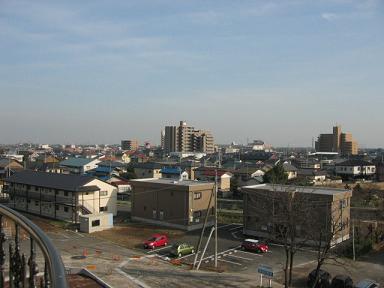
<point x="317" y="177"/>
<point x="355" y="168"/>
<point x="78" y="165"/>
<point x="317" y="208"/>
<point x="174" y="173"/>
<point x="60" y="196"/>
<point x="177" y="204"/>
<point x="7" y="168"/>
<point x="290" y="170"/>
<point x="209" y="174"/>
<point x="147" y="170"/>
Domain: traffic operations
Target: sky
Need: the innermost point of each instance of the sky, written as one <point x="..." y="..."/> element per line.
<point x="283" y="71"/>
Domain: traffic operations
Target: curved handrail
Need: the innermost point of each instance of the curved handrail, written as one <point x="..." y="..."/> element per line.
<point x="52" y="256"/>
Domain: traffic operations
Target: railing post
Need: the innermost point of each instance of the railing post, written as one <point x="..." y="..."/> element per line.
<point x="47" y="282"/>
<point x="33" y="268"/>
<point x="2" y="252"/>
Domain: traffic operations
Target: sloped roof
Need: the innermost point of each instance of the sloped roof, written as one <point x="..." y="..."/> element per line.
<point x="171" y="170"/>
<point x="76" y="162"/>
<point x="67" y="182"/>
<point x="355" y="162"/>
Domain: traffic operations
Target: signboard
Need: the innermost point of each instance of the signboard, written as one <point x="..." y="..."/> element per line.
<point x="265" y="270"/>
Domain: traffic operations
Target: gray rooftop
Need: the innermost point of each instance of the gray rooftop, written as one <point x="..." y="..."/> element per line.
<point x="173" y="181"/>
<point x="302" y="189"/>
<point x="66" y="182"/>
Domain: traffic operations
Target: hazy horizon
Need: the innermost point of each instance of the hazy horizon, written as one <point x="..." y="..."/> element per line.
<point x="102" y="71"/>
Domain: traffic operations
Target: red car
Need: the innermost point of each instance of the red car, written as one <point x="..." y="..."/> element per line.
<point x="156" y="240"/>
<point x="254" y="245"/>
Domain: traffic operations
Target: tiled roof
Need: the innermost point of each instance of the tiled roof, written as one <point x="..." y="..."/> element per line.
<point x="76" y="162"/>
<point x="67" y="182"/>
<point x="355" y="162"/>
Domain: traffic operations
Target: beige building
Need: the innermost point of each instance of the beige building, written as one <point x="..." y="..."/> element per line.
<point x="209" y="174"/>
<point x="314" y="209"/>
<point x="60" y="196"/>
<point x="177" y="204"/>
<point x="147" y="170"/>
<point x="337" y="142"/>
<point x="186" y="139"/>
<point x="129" y="145"/>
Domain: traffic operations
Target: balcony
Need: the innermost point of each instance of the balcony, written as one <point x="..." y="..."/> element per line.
<point x="21" y="269"/>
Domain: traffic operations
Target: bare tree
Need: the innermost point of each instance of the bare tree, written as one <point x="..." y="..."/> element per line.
<point x="291" y="217"/>
<point x="335" y="230"/>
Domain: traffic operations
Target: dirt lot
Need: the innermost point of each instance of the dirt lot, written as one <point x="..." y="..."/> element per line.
<point x="132" y="235"/>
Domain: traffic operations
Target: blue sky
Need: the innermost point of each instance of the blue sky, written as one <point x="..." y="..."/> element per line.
<point x="278" y="70"/>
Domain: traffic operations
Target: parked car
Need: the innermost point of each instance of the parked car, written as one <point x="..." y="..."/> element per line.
<point x="367" y="283"/>
<point x="323" y="281"/>
<point x="181" y="249"/>
<point x="254" y="245"/>
<point x="156" y="240"/>
<point x="342" y="281"/>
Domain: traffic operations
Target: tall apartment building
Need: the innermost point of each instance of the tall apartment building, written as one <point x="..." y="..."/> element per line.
<point x="185" y="138"/>
<point x="339" y="142"/>
<point x="130" y="145"/>
<point x="170" y="139"/>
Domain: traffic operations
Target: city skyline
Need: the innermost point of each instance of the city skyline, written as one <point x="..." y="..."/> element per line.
<point x="281" y="71"/>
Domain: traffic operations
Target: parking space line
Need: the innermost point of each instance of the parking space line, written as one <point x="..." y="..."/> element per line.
<point x="223" y="252"/>
<point x="240" y="227"/>
<point x="230" y="262"/>
<point x="246" y="252"/>
<point x="226" y="225"/>
<point x="155" y="250"/>
<point x="249" y="259"/>
<point x="187" y="255"/>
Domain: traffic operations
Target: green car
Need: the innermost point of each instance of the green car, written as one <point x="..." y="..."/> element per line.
<point x="181" y="249"/>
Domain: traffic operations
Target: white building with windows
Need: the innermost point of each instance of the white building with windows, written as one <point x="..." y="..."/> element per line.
<point x="60" y="196"/>
<point x="355" y="169"/>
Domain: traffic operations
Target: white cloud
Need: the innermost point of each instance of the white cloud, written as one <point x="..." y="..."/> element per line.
<point x="329" y="16"/>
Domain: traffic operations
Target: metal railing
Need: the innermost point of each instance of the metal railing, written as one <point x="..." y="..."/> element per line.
<point x="54" y="272"/>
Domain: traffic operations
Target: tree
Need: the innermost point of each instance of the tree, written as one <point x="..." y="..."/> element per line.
<point x="276" y="175"/>
<point x="327" y="234"/>
<point x="130" y="174"/>
<point x="291" y="216"/>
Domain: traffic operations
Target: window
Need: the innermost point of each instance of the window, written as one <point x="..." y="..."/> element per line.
<point x="197" y="195"/>
<point x="196" y="216"/>
<point x="103" y="193"/>
<point x="57" y="207"/>
<point x="343" y="203"/>
<point x="66" y="209"/>
<point x="154" y="214"/>
<point x="95" y="223"/>
<point x="66" y="194"/>
<point x="103" y="209"/>
<point x="161" y="215"/>
<point x="36" y="203"/>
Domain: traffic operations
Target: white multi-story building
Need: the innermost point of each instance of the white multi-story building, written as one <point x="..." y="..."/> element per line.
<point x="355" y="169"/>
<point x="60" y="196"/>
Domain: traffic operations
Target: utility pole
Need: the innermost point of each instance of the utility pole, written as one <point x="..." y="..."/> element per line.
<point x="353" y="240"/>
<point x="216" y="218"/>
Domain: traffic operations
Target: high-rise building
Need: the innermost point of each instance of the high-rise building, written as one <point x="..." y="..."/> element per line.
<point x="339" y="142"/>
<point x="170" y="139"/>
<point x="130" y="145"/>
<point x="185" y="139"/>
<point x="162" y="138"/>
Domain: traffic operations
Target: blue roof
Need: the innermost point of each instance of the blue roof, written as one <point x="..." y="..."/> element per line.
<point x="104" y="169"/>
<point x="76" y="162"/>
<point x="171" y="170"/>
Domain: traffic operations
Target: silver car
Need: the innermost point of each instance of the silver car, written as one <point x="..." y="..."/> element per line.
<point x="367" y="283"/>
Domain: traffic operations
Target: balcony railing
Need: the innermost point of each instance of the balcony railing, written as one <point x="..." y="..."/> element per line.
<point x="14" y="272"/>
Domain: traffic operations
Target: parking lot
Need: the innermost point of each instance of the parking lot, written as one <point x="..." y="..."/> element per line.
<point x="231" y="257"/>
